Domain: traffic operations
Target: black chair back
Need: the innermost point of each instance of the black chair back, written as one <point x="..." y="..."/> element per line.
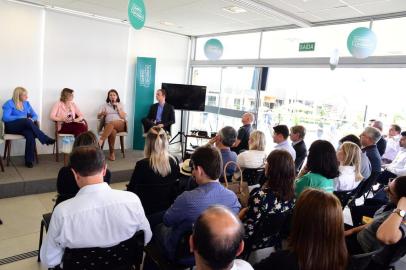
<point x="182" y="254"/>
<point x="156" y="198"/>
<point x="123" y="256"/>
<point x="271" y="227"/>
<point x="363" y="188"/>
<point x="254" y="176"/>
<point x="361" y="261"/>
<point x="390" y="254"/>
<point x="344" y="196"/>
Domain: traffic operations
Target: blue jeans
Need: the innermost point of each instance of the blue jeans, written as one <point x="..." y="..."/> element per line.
<point x="30" y="131"/>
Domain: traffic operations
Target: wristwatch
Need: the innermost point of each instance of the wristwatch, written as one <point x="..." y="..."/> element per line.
<point x="400" y="212"/>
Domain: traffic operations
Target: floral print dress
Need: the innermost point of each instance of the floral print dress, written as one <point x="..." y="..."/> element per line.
<point x="262" y="204"/>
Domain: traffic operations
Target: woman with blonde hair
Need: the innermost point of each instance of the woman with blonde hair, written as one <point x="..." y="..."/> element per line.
<point x="256" y="155"/>
<point x="113" y="117"/>
<point x="67" y="114"/>
<point x="349" y="156"/>
<point x="19" y="118"/>
<point x="154" y="177"/>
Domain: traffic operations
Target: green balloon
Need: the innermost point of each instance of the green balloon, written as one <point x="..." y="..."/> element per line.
<point x="136" y="13"/>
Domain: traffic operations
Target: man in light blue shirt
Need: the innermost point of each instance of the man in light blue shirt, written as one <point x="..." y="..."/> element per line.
<point x="280" y="137"/>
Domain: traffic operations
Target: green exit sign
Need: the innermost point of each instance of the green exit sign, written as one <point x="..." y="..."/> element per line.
<point x="307" y="46"/>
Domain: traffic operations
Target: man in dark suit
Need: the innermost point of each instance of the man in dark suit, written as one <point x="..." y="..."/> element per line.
<point x="381" y="144"/>
<point x="297" y="134"/>
<point x="160" y="114"/>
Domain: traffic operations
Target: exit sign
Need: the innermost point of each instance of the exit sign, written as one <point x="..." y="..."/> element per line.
<point x="307" y="46"/>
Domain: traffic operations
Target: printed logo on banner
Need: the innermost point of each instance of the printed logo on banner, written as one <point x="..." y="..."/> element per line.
<point x="213" y="49"/>
<point x="145" y="76"/>
<point x="136" y="13"/>
<point x="361" y="42"/>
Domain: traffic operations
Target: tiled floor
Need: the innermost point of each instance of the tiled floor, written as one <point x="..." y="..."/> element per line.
<point x="21" y="218"/>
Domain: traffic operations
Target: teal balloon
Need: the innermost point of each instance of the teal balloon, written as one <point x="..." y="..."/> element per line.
<point x="213" y="49"/>
<point x="136" y="13"/>
<point x="361" y="42"/>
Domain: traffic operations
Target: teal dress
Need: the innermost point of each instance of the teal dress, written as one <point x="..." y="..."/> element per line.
<point x="313" y="180"/>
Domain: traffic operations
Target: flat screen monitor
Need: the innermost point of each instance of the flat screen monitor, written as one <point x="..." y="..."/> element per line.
<point x="185" y="97"/>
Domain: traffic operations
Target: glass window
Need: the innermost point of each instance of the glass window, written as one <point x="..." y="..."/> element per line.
<point x="241" y="46"/>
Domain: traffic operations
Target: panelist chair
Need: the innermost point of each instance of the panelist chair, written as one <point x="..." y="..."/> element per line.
<point x="122" y="135"/>
<point x="1" y="159"/>
<point x="9" y="138"/>
<point x="61" y="135"/>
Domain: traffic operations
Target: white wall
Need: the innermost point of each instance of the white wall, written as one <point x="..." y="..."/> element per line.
<point x="45" y="51"/>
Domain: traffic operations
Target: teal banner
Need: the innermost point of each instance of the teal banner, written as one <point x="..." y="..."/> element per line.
<point x="144" y="96"/>
<point x="213" y="49"/>
<point x="361" y="42"/>
<point x="136" y="13"/>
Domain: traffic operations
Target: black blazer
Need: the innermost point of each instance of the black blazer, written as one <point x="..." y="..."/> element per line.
<point x="381" y="144"/>
<point x="156" y="193"/>
<point x="168" y="115"/>
<point x="301" y="154"/>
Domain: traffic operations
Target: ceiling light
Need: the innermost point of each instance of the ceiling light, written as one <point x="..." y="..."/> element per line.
<point x="167" y="23"/>
<point x="234" y="9"/>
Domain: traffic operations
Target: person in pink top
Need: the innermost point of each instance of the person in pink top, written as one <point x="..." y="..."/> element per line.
<point x="67" y="114"/>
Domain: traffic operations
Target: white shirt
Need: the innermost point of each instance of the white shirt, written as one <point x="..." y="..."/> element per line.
<point x="392" y="147"/>
<point x="251" y="159"/>
<point x="346" y="179"/>
<point x="241" y="265"/>
<point x="97" y="216"/>
<point x="398" y="165"/>
<point x="285" y="145"/>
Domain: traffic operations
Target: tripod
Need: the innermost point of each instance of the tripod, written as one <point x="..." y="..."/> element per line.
<point x="180" y="134"/>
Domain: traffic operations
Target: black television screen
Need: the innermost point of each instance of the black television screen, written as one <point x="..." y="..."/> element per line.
<point x="185" y="97"/>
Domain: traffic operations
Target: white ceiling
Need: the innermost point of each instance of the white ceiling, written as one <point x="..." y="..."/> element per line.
<point x="201" y="17"/>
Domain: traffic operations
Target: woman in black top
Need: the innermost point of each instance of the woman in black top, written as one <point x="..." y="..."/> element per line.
<point x="66" y="185"/>
<point x="317" y="236"/>
<point x="154" y="178"/>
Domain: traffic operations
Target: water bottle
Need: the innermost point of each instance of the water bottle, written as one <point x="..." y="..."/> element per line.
<point x="67" y="144"/>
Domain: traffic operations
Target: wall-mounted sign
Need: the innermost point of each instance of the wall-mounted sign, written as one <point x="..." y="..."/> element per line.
<point x="213" y="49"/>
<point x="136" y="13"/>
<point x="361" y="42"/>
<point x="307" y="46"/>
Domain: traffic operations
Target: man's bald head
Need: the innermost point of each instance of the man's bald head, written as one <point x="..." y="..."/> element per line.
<point x="247" y="118"/>
<point x="218" y="237"/>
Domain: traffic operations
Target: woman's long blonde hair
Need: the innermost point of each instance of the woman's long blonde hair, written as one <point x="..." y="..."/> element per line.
<point x="257" y="140"/>
<point x="16" y="97"/>
<point x="156" y="149"/>
<point x="352" y="157"/>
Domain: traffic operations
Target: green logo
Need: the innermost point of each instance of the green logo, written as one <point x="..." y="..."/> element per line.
<point x="361" y="42"/>
<point x="136" y="13"/>
<point x="213" y="49"/>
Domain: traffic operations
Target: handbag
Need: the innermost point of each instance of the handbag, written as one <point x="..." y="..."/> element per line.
<point x="238" y="186"/>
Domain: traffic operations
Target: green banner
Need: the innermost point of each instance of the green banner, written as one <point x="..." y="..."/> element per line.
<point x="144" y="96"/>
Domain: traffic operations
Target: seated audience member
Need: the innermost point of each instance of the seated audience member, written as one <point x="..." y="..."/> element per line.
<point x="392" y="145"/>
<point x="178" y="219"/>
<point x="223" y="141"/>
<point x="243" y="134"/>
<point x="369" y="137"/>
<point x="387" y="226"/>
<point x="365" y="164"/>
<point x="320" y="170"/>
<point x="19" y="118"/>
<point x="66" y="184"/>
<point x="275" y="196"/>
<point x="280" y="137"/>
<point x="349" y="156"/>
<point x="157" y="169"/>
<point x="186" y="180"/>
<point x="256" y="155"/>
<point x="97" y="217"/>
<point x="217" y="240"/>
<point x="316" y="237"/>
<point x="113" y="116"/>
<point x="381" y="143"/>
<point x="67" y="114"/>
<point x="398" y="166"/>
<point x="297" y="134"/>
<point x="161" y="114"/>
